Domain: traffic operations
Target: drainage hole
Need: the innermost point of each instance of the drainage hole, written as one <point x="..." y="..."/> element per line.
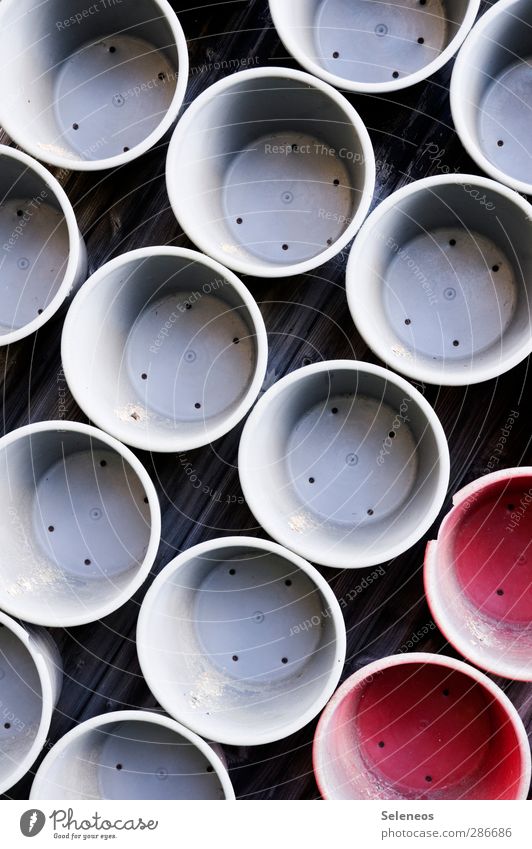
<point x="495" y="267"/>
<point x="336" y="55"/>
<point x="392" y="434"/>
<point x="112" y="49"/>
<point x="334" y="410"/>
<point x="188" y="306"/>
<point x="119" y="767"/>
<point x="20" y="213"/>
<point x="144" y="376"/>
<point x="51" y="529"/>
<point x="239" y="220"/>
<point x="126" y="150"/>
<point x="395" y="74"/>
<point x="510" y="507"/>
<point x="456" y="343"/>
<point x="446" y="692"/>
<point x="7" y="725"/>
<point x="500" y="592"/>
<point x="103" y="463"/>
<point x="285" y="247"/>
<point x="336" y="181"/>
<point x="232" y="571"/>
<point x="288" y="582"/>
<point x="161" y="75"/>
<point x="236" y="340"/>
<point x="329" y="241"/>
<point x="408" y="321"/>
<point x="381" y="744"/>
<point x="87" y="561"/>
<point x="422" y="2"/>
<point x="284" y="660"/>
<point x="421" y="40"/>
<point x="145" y="499"/>
<point x="235" y="657"/>
<point x="311" y="480"/>
<point x="370" y="512"/>
<point x="428" y="778"/>
<point x="75" y="126"/>
<point x="295" y="148"/>
<point x="210" y="769"/>
<point x="452" y="242"/>
<point x="39" y="312"/>
<point x="500" y="143"/>
<point x="197" y="405"/>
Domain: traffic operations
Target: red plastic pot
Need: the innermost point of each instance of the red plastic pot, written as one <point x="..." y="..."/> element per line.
<point x="421" y="726"/>
<point x="478" y="573"/>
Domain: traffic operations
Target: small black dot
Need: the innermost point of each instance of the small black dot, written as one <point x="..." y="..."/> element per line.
<point x="188" y="306"/>
<point x="7" y="725"/>
<point x="329" y="241"/>
<point x="452" y="242"/>
<point x="500" y="143"/>
<point x="144" y="376"/>
<point x="119" y="766"/>
<point x="336" y="181"/>
<point x="236" y="340"/>
<point x="197" y="405"/>
<point x="336" y="55"/>
<point x="428" y="778"/>
<point x="422" y="2"/>
<point x="285" y="247"/>
<point x="311" y="480"/>
<point x="284" y="660"/>
<point x="370" y="512"/>
<point x="145" y="499"/>
<point x="395" y="74"/>
<point x="87" y="561"/>
<point x="334" y="410"/>
<point x="210" y="769"/>
<point x="456" y="343"/>
<point x="381" y="744"/>
<point x="112" y="49"/>
<point x="232" y="571"/>
<point x="161" y="75"/>
<point x="446" y="692"/>
<point x="75" y="126"/>
<point x="20" y="213"/>
<point x="421" y="40"/>
<point x="126" y="149"/>
<point x="239" y="220"/>
<point x="235" y="657"/>
<point x="51" y="529"/>
<point x="500" y="592"/>
<point x="306" y="361"/>
<point x="495" y="268"/>
<point x="103" y="463"/>
<point x="392" y="434"/>
<point x="295" y="148"/>
<point x="39" y="312"/>
<point x="511" y="507"/>
<point x="408" y="321"/>
<point x="288" y="582"/>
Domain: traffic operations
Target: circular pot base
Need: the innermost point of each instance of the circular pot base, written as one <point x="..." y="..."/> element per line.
<point x="110" y="95"/>
<point x="352" y="460"/>
<point x="504" y="128"/>
<point x="139" y="760"/>
<point x="287" y="197"/>
<point x="90" y="517"/>
<point x="379" y="42"/>
<point x="201" y="366"/>
<point x="21" y="702"/>
<point x="450" y="293"/>
<point x="249" y="612"/>
<point x="33" y="267"/>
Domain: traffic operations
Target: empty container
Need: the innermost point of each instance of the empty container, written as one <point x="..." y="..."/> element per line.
<point x="439" y="280"/>
<point x="344" y="463"/>
<point x="42" y="254"/>
<point x="478" y="573"/>
<point x="373" y="45"/>
<point x="270" y="171"/>
<point x="30" y="683"/>
<point x="131" y="754"/>
<point x="90" y="86"/>
<point x="241" y="640"/>
<point x="491" y="93"/>
<point x="80" y="523"/>
<point x="165" y="349"/>
<point x="421" y="726"/>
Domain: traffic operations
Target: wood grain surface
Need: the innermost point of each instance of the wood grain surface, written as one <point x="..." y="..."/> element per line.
<point x="307" y="320"/>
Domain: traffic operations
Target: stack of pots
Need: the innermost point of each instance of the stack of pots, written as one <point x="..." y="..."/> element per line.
<point x="342" y="463"/>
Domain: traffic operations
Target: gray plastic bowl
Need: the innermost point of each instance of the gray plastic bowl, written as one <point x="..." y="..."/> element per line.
<point x="89" y="86"/>
<point x="344" y="463"/>
<point x="271" y="172"/>
<point x="491" y="95"/>
<point x="373" y="46"/>
<point x="439" y="280"/>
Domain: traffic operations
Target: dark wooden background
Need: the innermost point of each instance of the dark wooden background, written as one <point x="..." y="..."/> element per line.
<point x="307" y="320"/>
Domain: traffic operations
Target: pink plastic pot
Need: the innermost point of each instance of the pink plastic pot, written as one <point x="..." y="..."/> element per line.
<point x="478" y="573"/>
<point x="421" y="726"/>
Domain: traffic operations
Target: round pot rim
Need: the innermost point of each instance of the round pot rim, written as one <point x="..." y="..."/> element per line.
<point x="439" y="376"/>
<point x="250" y="486"/>
<point x="423" y="658"/>
<point x="194" y="229"/>
<point x="458" y="92"/>
<point x="142" y="147"/>
<point x="75" y="249"/>
<point x="147" y="716"/>
<point x="95" y="613"/>
<point x="47" y="701"/>
<point x="157" y="442"/>
<point x="455" y="637"/>
<point x="247" y="736"/>
<point x="276" y="7"/>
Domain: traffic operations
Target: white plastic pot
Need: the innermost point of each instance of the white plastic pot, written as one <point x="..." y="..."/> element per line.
<point x="241" y="640"/>
<point x="30" y="683"/>
<point x="89" y="86"/>
<point x="373" y="46"/>
<point x="131" y="754"/>
<point x="439" y="280"/>
<point x="165" y="349"/>
<point x="478" y="573"/>
<point x="271" y="172"/>
<point x="42" y="254"/>
<point x="344" y="463"/>
<point x="421" y="726"/>
<point x="80" y="524"/>
<point x="490" y="93"/>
